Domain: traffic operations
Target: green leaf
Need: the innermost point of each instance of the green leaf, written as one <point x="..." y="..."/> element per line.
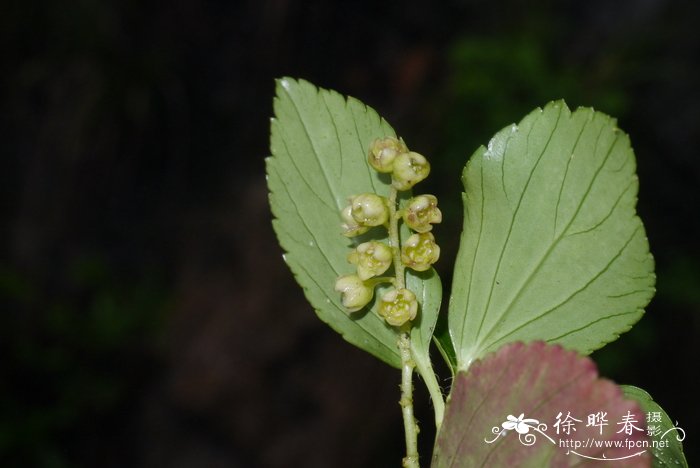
<point x="667" y="436"/>
<point x="542" y="384"/>
<point x="319" y="142"/>
<point x="551" y="247"/>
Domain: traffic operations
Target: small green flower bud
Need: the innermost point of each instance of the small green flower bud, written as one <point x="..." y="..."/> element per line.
<point x="372" y="259"/>
<point x="369" y="209"/>
<point x="351" y="228"/>
<point x="422" y="212"/>
<point x="420" y="251"/>
<point x="354" y="293"/>
<point x="383" y="152"/>
<point x="398" y="306"/>
<point x="409" y="169"/>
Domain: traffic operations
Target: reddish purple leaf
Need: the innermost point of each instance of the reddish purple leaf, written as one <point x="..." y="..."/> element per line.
<point x="505" y="412"/>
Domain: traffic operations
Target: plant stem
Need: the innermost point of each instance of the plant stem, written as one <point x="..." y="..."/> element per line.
<point x="406" y="402"/>
<point x="425" y="369"/>
<point x="394" y="240"/>
<point x="404" y="344"/>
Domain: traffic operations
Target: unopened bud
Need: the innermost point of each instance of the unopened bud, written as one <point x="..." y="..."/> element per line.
<point x="354" y="293"/>
<point x="372" y="259"/>
<point x="409" y="169"/>
<point x="398" y="306"/>
<point x="369" y="209"/>
<point x="421" y="213"/>
<point x="383" y="152"/>
<point x="420" y="251"/>
<point x="351" y="228"/>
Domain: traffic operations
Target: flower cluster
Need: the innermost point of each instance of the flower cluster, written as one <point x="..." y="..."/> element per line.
<point x="365" y="211"/>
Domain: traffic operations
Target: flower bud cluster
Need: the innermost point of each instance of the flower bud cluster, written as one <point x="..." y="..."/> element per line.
<point x="398" y="305"/>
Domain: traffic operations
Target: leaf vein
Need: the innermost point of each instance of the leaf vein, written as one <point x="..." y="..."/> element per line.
<point x="310" y="231"/>
<point x="601" y="319"/>
<point x="553" y="245"/>
<point x="369" y="170"/>
<point x="476" y="249"/>
<point x="608" y="215"/>
<point x="315" y="150"/>
<point x="572" y="295"/>
<point x="512" y="223"/>
<point x="566" y="174"/>
<point x="337" y="133"/>
<point x="301" y="176"/>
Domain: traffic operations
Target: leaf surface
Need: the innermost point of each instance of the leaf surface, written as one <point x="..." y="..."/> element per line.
<point x="551" y="247"/>
<point x="543" y="385"/>
<point x="319" y="142"/>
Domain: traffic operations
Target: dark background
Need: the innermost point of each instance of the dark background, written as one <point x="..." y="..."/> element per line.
<point x="147" y="318"/>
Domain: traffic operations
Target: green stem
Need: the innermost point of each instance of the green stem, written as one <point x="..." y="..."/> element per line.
<point x="394" y="240"/>
<point x="404" y="344"/>
<point x="425" y="369"/>
<point x="406" y="402"/>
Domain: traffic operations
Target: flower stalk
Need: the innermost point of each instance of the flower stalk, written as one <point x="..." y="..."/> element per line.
<point x="407" y="364"/>
<point x="409" y="421"/>
<point x="394" y="241"/>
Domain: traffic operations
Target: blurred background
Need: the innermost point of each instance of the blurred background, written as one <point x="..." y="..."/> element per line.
<point x="147" y="318"/>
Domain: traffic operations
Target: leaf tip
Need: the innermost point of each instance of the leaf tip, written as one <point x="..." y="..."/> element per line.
<point x="285" y="82"/>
